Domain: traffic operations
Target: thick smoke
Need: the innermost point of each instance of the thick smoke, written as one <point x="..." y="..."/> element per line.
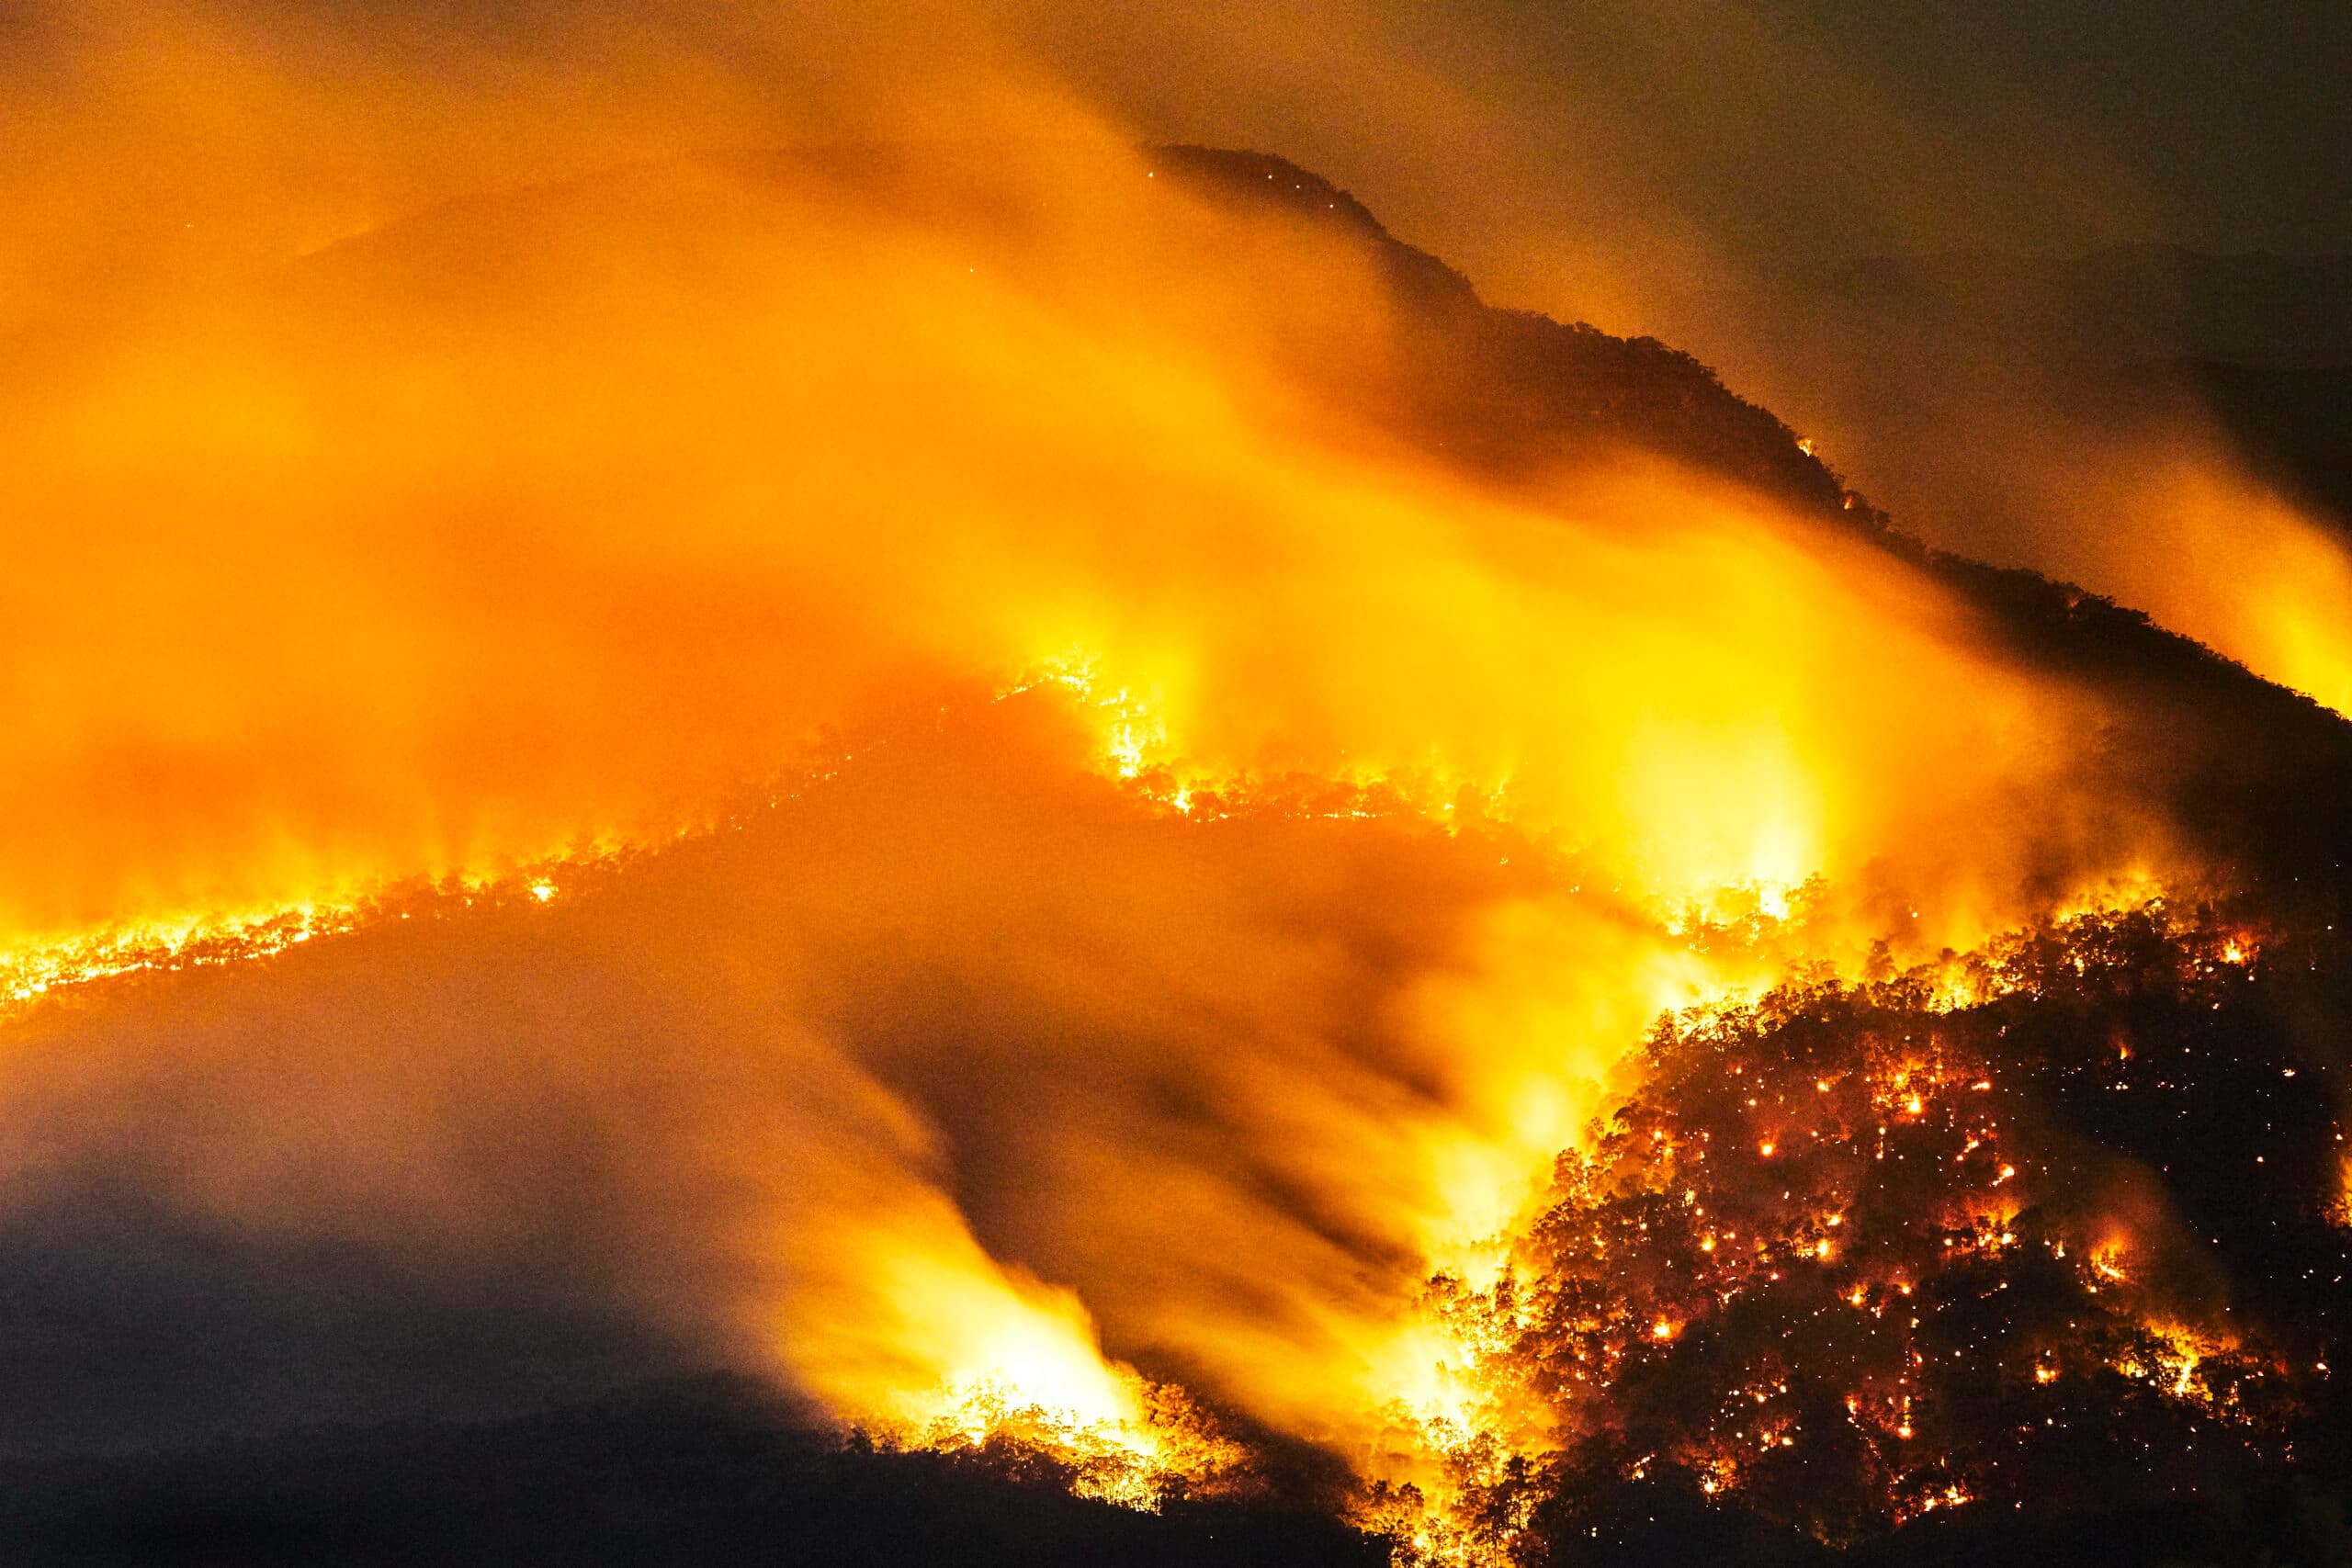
<point x="1118" y="844"/>
<point x="1728" y="178"/>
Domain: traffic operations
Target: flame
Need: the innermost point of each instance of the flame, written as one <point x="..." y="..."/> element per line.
<point x="1334" y="824"/>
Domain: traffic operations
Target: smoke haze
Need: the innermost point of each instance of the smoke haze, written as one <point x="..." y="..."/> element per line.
<point x="1067" y="850"/>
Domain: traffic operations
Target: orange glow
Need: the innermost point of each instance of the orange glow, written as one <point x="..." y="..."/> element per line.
<point x="1067" y="839"/>
<point x="2215" y="554"/>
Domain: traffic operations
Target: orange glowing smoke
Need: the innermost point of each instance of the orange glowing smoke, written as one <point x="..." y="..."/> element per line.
<point x="2214" y="553"/>
<point x="1236" y="856"/>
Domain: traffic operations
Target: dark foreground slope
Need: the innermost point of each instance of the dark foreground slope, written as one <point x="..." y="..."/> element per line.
<point x="706" y="1476"/>
<point x="690" y="1474"/>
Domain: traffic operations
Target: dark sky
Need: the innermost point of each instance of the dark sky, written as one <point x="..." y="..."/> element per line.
<point x="2232" y="117"/>
<point x="1590" y="159"/>
<point x="1779" y="135"/>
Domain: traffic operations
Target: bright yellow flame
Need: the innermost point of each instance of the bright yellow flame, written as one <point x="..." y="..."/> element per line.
<point x="714" y="464"/>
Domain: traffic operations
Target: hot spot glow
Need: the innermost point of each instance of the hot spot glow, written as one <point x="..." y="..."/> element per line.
<point x="1026" y="811"/>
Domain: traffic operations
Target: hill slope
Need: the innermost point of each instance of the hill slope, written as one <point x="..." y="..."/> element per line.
<point x="583" y="1111"/>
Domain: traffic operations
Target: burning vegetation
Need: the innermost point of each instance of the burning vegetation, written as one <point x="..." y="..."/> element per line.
<point x="2045" y="1228"/>
<point x="2037" y="1229"/>
<point x="1282" y="733"/>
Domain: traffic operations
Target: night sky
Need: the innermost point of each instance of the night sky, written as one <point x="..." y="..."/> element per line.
<point x="1778" y="136"/>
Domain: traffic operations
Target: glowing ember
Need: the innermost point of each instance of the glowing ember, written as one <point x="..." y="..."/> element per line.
<point x="1503" y="969"/>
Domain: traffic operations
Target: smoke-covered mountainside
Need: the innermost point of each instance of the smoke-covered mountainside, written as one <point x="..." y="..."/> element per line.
<point x="2253" y="771"/>
<point x="1517" y="391"/>
<point x="1134" y="885"/>
<point x="2166" y="427"/>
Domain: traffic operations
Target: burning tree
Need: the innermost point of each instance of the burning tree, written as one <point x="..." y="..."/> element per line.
<point x="1849" y="1256"/>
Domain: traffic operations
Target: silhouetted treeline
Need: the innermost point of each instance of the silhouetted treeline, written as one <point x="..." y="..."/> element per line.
<point x="694" y="1474"/>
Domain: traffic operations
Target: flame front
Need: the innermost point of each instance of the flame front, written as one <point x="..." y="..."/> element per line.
<point x="1050" y="876"/>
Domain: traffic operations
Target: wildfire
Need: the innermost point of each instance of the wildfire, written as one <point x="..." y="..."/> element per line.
<point x="1612" y="1247"/>
<point x="1410" y="950"/>
<point x="38" y="967"/>
<point x="1148" y="1443"/>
